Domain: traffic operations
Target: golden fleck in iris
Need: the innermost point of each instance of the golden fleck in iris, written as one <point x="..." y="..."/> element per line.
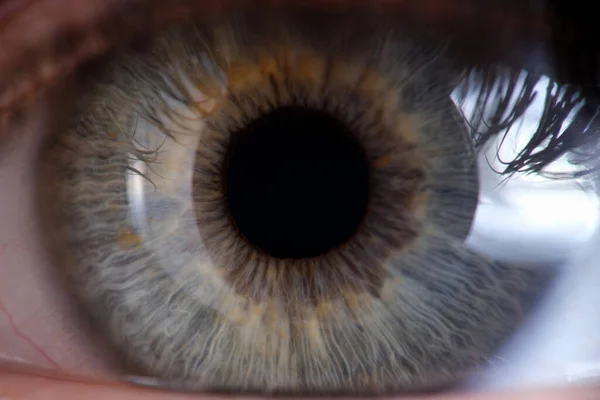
<point x="128" y="239"/>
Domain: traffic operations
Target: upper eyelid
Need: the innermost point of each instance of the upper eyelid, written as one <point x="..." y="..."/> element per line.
<point x="44" y="40"/>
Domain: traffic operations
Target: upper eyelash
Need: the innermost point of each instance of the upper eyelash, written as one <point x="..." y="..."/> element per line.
<point x="550" y="139"/>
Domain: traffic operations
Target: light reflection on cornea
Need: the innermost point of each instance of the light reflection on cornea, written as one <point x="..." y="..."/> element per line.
<point x="560" y="343"/>
<point x="533" y="220"/>
<point x="135" y="195"/>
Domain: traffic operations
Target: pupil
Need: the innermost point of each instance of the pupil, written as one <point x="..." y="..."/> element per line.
<point x="297" y="183"/>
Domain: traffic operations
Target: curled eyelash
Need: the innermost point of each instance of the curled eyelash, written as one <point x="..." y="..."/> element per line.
<point x="504" y="96"/>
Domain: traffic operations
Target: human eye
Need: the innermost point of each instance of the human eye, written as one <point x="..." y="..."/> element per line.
<point x="298" y="200"/>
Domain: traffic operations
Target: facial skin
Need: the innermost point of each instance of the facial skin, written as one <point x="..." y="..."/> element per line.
<point x="38" y="324"/>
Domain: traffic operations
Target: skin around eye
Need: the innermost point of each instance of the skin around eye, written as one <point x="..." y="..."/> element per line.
<point x="145" y="211"/>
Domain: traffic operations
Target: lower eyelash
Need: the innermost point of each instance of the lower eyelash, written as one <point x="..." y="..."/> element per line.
<point x="400" y="306"/>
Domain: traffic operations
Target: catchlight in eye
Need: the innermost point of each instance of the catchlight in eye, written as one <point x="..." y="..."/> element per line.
<point x="248" y="205"/>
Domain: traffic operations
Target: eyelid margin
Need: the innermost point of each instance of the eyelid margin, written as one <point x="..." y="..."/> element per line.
<point x="44" y="40"/>
<point x="29" y="382"/>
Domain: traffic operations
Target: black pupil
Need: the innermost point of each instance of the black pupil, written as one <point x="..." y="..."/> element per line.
<point x="296" y="182"/>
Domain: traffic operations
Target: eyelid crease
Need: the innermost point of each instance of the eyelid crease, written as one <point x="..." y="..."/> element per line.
<point x="44" y="40"/>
